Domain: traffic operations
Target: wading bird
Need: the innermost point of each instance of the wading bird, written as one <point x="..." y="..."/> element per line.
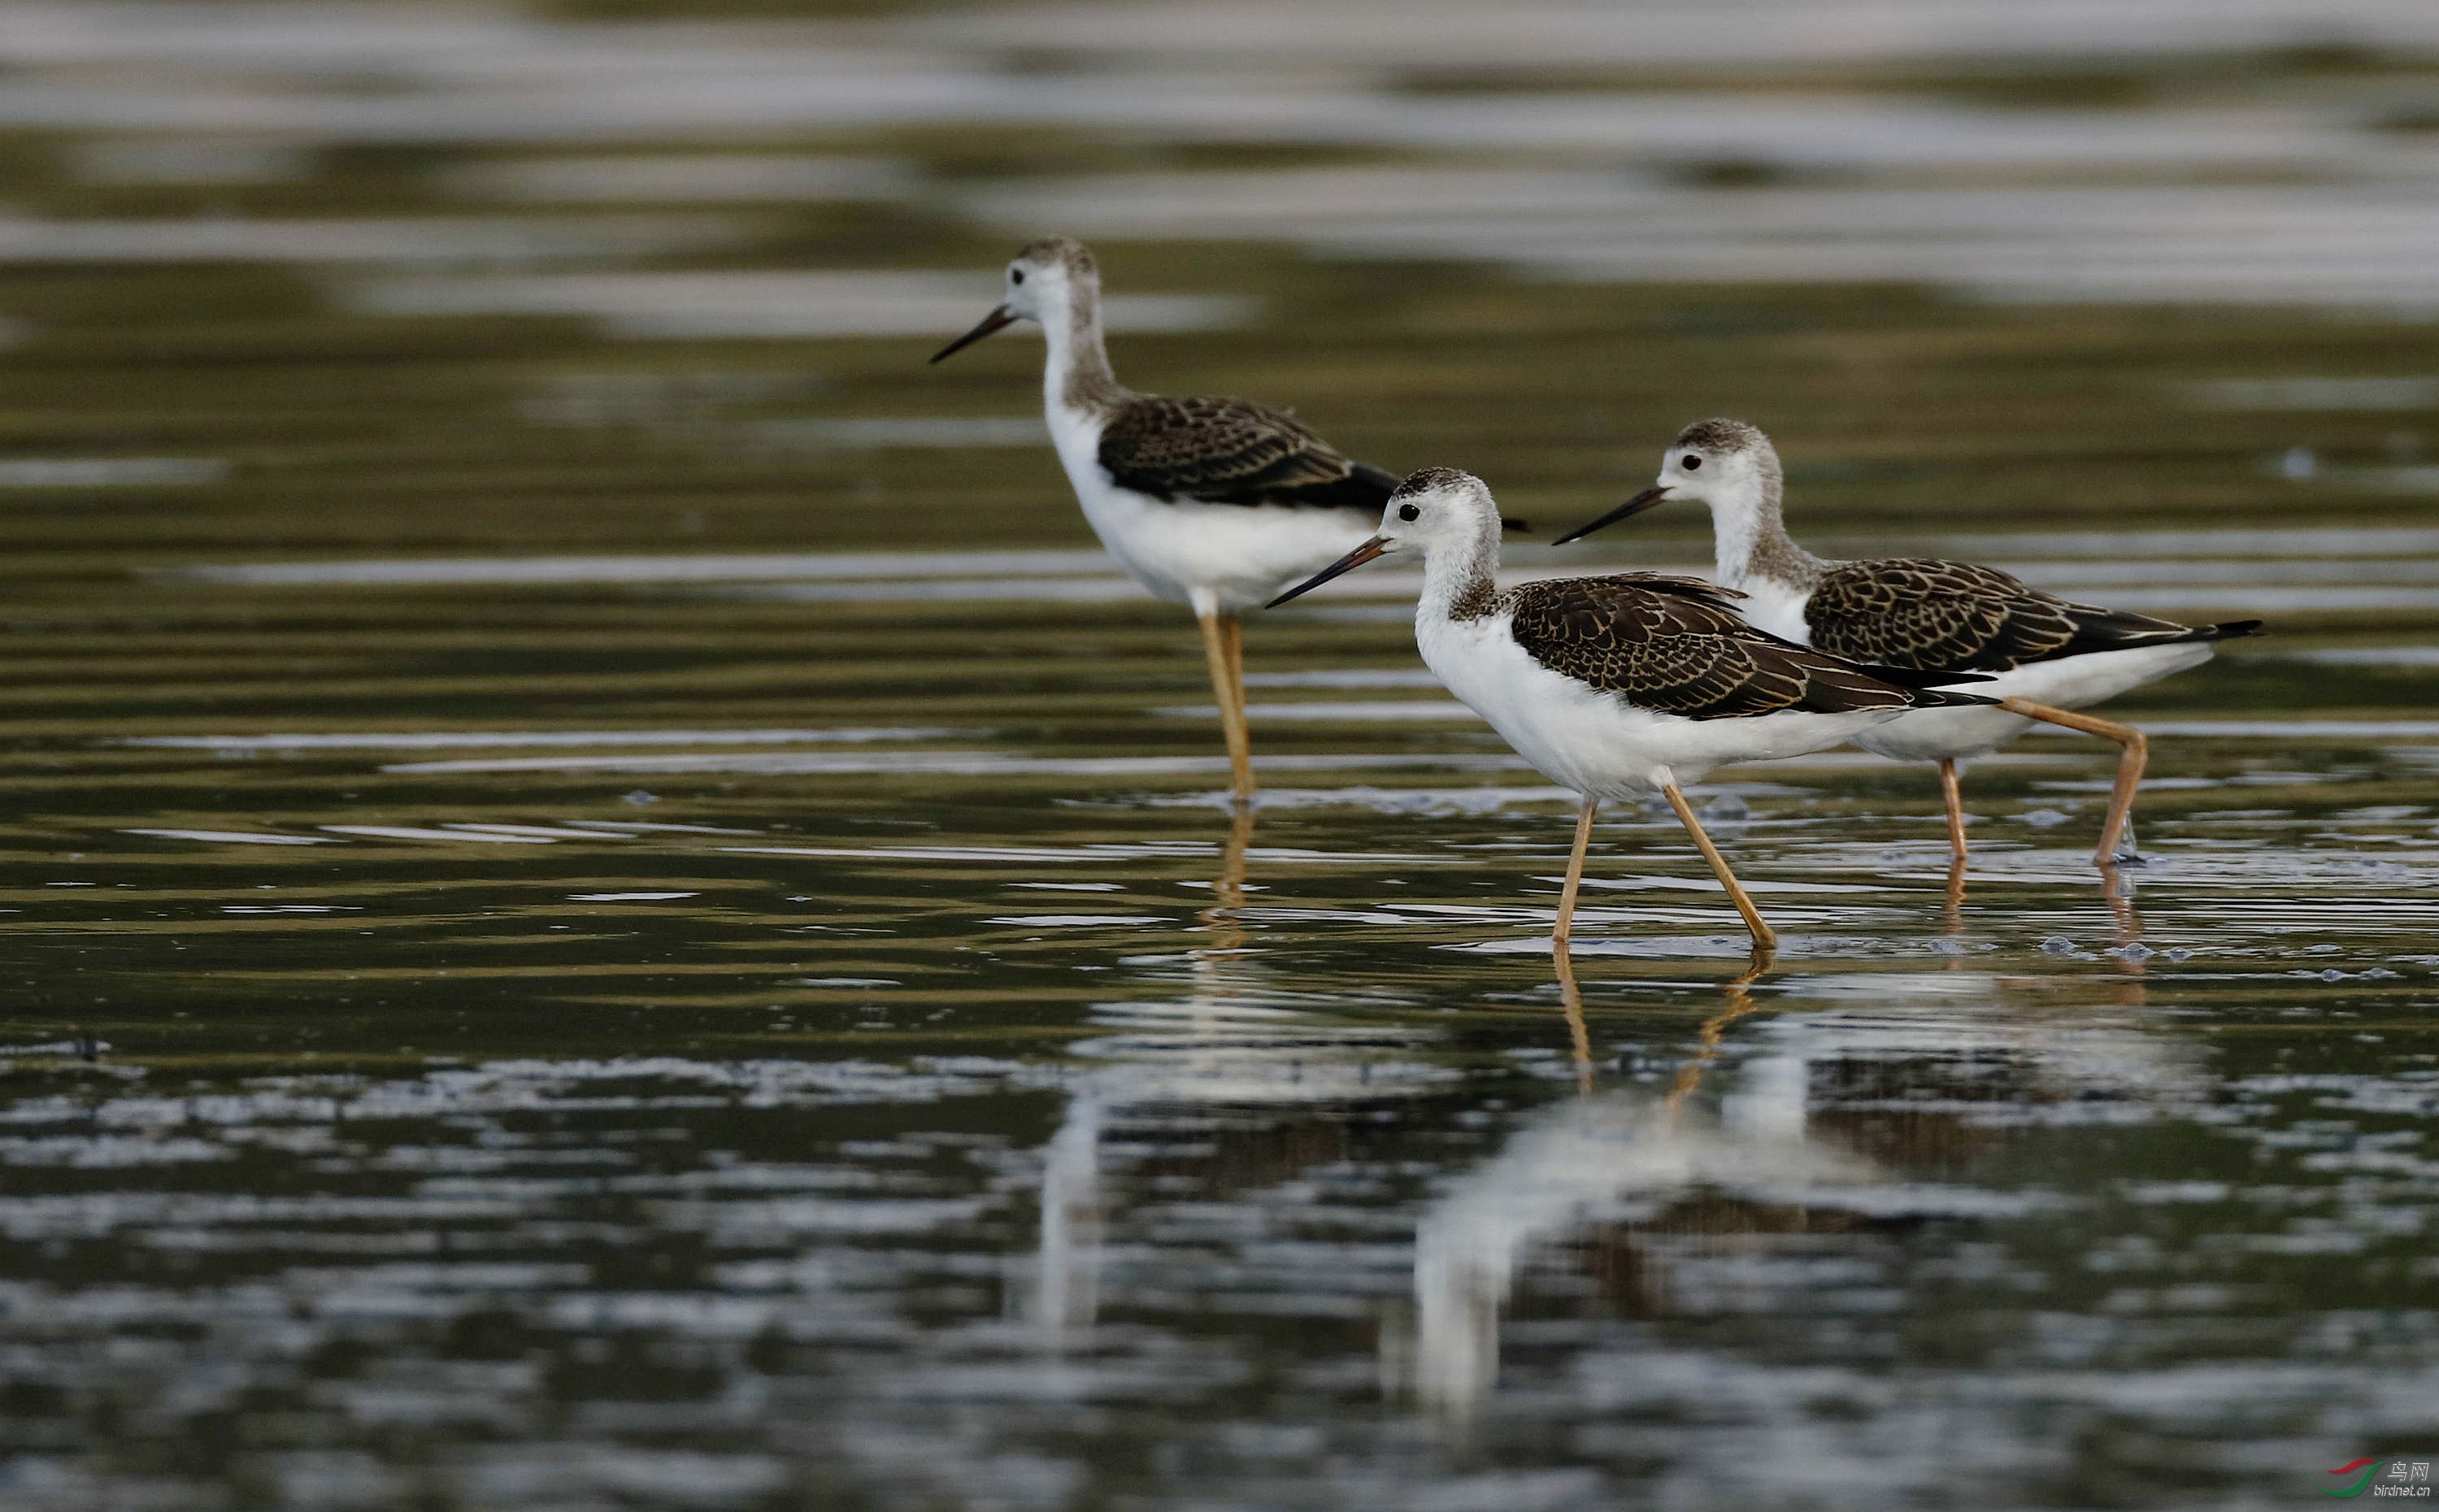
<point x="1216" y="503"/>
<point x="2043" y="655"/>
<point x="1624" y="685"/>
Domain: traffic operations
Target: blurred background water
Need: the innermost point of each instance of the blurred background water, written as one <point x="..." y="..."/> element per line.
<point x="609" y="905"/>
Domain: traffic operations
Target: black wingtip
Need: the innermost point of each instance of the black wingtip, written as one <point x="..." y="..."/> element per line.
<point x="1929" y="689"/>
<point x="1917" y="677"/>
<point x="1511" y="526"/>
<point x="2235" y="629"/>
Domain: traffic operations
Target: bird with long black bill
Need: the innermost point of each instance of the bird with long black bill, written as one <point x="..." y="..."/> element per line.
<point x="1625" y="685"/>
<point x="2044" y="656"/>
<point x="1216" y="503"/>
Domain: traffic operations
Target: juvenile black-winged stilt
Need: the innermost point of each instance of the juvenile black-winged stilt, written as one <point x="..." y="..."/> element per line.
<point x="1623" y="686"/>
<point x="2044" y="655"/>
<point x="1216" y="503"/>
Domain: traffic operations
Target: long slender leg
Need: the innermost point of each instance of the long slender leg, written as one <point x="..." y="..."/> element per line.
<point x="1765" y="939"/>
<point x="1571" y="1000"/>
<point x="1955" y="799"/>
<point x="1228" y="889"/>
<point x="1232" y="715"/>
<point x="1711" y="1035"/>
<point x="2137" y="753"/>
<point x="1574" y="877"/>
<point x="1232" y="640"/>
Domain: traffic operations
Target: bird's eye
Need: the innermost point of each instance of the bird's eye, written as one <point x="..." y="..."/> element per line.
<point x="1016" y="274"/>
<point x="1407" y="511"/>
<point x="1692" y="463"/>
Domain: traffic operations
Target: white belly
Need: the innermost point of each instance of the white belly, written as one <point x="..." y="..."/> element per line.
<point x="1770" y="605"/>
<point x="2068" y="682"/>
<point x="1233" y="556"/>
<point x="1595" y="743"/>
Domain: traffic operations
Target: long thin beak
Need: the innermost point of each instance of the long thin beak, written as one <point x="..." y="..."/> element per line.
<point x="1345" y="564"/>
<point x="1633" y="507"/>
<point x="991" y="322"/>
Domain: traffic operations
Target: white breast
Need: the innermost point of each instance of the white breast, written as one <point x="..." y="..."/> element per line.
<point x="1234" y="557"/>
<point x="1775" y="607"/>
<point x="1595" y="743"/>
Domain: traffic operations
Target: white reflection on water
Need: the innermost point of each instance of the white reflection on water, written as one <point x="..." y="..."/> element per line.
<point x="969" y="764"/>
<point x="395" y="239"/>
<point x="1234" y="1042"/>
<point x="1336" y="711"/>
<point x="1609" y="1167"/>
<point x="1610" y="1159"/>
<point x="2282" y="196"/>
<point x="446" y="572"/>
<point x="926" y="432"/>
<point x="2304" y="568"/>
<point x="1347" y="677"/>
<point x="234" y="837"/>
<point x="698" y="177"/>
<point x="413" y="832"/>
<point x="1453" y="34"/>
<point x="2370" y="656"/>
<point x="111" y="473"/>
<point x="2293" y="393"/>
<point x="443" y="739"/>
<point x="2257" y="244"/>
<point x="774" y="305"/>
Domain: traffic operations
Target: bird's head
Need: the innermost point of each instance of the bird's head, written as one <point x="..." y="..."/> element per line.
<point x="1042" y="282"/>
<point x="1725" y="464"/>
<point x="1435" y="509"/>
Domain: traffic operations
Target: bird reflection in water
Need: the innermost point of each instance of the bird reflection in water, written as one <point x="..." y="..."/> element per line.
<point x="1571" y="1002"/>
<point x="1237" y="1084"/>
<point x="1067" y="1258"/>
<point x="1599" y="1159"/>
<point x="2116" y="888"/>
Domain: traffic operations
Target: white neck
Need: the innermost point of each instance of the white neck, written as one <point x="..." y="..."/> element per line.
<point x="1459" y="577"/>
<point x="1734" y="524"/>
<point x="1076" y="372"/>
<point x="1748" y="534"/>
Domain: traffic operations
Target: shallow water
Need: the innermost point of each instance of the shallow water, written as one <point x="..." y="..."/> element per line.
<point x="607" y="905"/>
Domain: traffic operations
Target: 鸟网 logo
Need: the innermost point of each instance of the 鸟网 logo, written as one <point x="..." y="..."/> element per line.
<point x="2387" y="1476"/>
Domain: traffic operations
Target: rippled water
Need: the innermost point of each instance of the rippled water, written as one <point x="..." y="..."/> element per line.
<point x="607" y="905"/>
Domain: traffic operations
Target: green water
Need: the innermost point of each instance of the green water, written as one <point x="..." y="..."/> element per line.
<point x="790" y="1037"/>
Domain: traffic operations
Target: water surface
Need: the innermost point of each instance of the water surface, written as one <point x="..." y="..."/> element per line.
<point x="609" y="905"/>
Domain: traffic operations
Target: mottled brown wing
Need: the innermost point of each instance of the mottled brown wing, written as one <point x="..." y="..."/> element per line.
<point x="1936" y="616"/>
<point x="1675" y="645"/>
<point x="1958" y="616"/>
<point x="1230" y="451"/>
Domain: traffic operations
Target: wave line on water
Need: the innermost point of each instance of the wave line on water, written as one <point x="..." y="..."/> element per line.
<point x="443" y="739"/>
<point x="959" y="764"/>
<point x="1030" y="855"/>
<point x="729" y="567"/>
<point x="234" y="837"/>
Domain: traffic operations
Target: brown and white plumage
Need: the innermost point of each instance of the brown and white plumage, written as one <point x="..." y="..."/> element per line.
<point x="2045" y="656"/>
<point x="1960" y="616"/>
<point x="1232" y="452"/>
<point x="1623" y="686"/>
<point x="1677" y="645"/>
<point x="1209" y="502"/>
<point x="1215" y="503"/>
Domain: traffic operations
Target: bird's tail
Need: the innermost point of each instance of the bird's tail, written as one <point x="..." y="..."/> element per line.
<point x="1930" y="690"/>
